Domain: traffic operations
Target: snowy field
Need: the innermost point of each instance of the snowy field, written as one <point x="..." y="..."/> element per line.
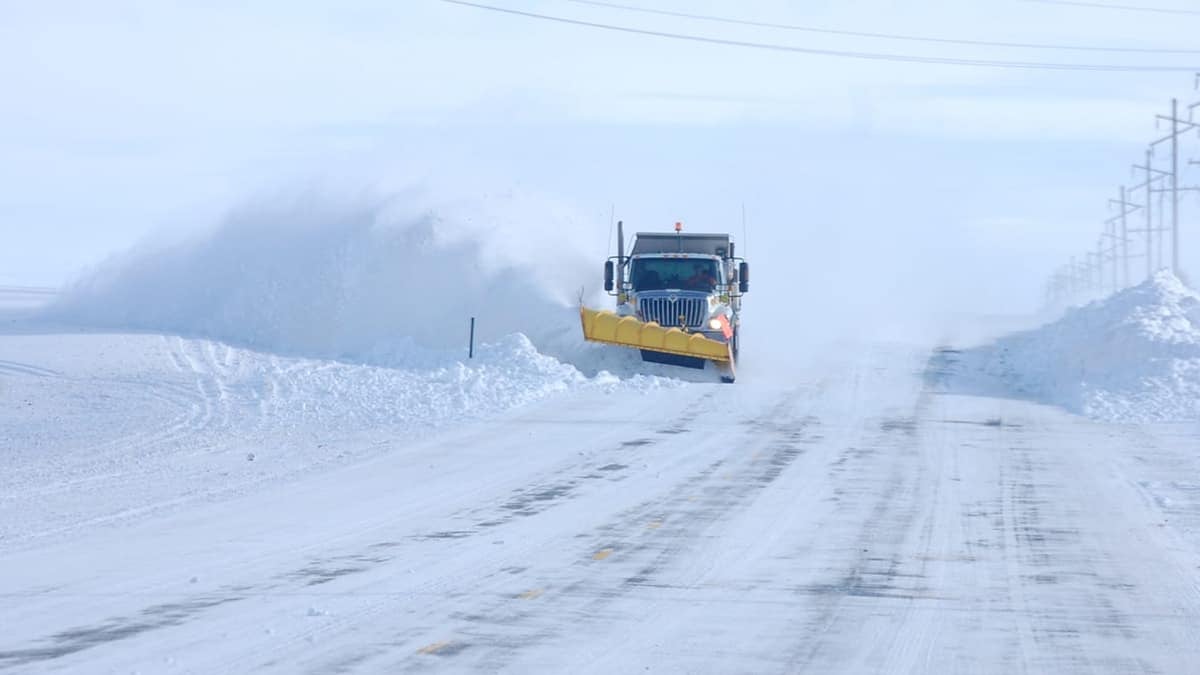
<point x="177" y="504"/>
<point x="105" y="427"/>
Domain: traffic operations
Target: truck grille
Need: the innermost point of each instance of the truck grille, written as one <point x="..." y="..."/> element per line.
<point x="666" y="311"/>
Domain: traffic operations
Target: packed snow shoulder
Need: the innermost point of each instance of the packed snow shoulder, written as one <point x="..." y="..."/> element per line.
<point x="1131" y="357"/>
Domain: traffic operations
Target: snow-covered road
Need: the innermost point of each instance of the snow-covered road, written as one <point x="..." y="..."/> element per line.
<point x="843" y="516"/>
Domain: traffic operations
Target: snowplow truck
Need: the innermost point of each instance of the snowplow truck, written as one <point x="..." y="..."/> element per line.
<point x="678" y="300"/>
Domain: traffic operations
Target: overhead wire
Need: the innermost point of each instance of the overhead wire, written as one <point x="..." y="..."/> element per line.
<point x="851" y="54"/>
<point x="875" y="35"/>
<point x="1127" y="8"/>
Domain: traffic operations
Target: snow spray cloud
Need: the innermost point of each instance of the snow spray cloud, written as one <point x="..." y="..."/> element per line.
<point x="359" y="278"/>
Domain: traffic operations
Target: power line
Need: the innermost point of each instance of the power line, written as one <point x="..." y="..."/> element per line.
<point x="1163" y="182"/>
<point x="869" y="56"/>
<point x="1128" y="8"/>
<point x="883" y="36"/>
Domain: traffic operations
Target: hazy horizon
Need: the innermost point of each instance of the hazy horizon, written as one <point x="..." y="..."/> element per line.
<point x="941" y="186"/>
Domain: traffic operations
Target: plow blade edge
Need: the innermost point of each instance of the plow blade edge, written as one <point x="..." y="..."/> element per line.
<point x="627" y="331"/>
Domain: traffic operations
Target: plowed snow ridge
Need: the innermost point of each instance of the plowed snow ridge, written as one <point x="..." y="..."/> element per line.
<point x="1134" y="356"/>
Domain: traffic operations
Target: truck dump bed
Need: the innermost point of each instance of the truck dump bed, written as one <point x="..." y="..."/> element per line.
<point x="657" y="242"/>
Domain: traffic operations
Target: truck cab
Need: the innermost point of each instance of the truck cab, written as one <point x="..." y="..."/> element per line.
<point x="688" y="281"/>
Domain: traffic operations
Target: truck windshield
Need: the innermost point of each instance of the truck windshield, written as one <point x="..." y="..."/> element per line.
<point x="687" y="274"/>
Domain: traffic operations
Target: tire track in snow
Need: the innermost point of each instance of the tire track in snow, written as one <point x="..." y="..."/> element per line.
<point x="169" y="416"/>
<point x="202" y="383"/>
<point x="217" y="368"/>
<point x="19" y="368"/>
<point x="162" y="401"/>
<point x="875" y="569"/>
<point x="174" y="395"/>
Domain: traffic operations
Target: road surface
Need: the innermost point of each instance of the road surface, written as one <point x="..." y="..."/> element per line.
<point x="851" y="514"/>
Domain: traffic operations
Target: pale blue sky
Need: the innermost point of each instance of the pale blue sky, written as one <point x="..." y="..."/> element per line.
<point x="956" y="184"/>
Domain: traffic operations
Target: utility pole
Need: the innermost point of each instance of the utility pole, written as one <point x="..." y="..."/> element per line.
<point x="1062" y="285"/>
<point x="1150" y="218"/>
<point x="1112" y="236"/>
<point x="1175" y="186"/>
<point x="1127" y="207"/>
<point x="1090" y="276"/>
<point x="1152" y="175"/>
<point x="1162" y="228"/>
<point x="1176" y="130"/>
<point x="1124" y="240"/>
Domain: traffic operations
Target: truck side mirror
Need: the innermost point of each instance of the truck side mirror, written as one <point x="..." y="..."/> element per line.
<point x="744" y="277"/>
<point x="608" y="276"/>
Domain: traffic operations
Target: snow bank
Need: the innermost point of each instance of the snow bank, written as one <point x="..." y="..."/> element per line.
<point x="435" y="386"/>
<point x="1132" y="357"/>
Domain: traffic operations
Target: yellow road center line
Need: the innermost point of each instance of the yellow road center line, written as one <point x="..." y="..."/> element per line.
<point x="530" y="594"/>
<point x="602" y="554"/>
<point x="654" y="524"/>
<point x="434" y="647"/>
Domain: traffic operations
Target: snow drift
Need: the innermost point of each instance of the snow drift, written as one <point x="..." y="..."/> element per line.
<point x="1132" y="357"/>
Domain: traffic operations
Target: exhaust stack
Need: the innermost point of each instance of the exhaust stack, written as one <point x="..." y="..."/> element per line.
<point x="621" y="261"/>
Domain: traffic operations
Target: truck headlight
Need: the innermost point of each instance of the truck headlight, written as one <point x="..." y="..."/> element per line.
<point x="714" y="324"/>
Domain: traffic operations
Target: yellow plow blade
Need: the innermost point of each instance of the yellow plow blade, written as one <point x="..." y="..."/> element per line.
<point x="627" y="331"/>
